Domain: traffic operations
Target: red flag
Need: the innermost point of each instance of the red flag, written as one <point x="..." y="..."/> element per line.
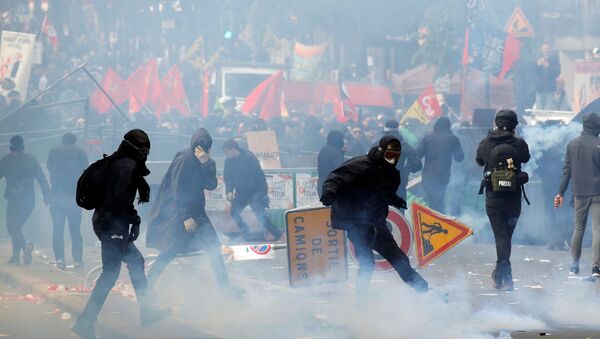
<point x="343" y="107"/>
<point x="266" y="97"/>
<point x="114" y="86"/>
<point x="425" y="109"/>
<point x="172" y="94"/>
<point x="512" y="49"/>
<point x="144" y="85"/>
<point x="50" y="31"/>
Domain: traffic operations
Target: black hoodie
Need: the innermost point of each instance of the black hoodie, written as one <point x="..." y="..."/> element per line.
<point x="439" y="148"/>
<point x="362" y="189"/>
<point x="330" y="157"/>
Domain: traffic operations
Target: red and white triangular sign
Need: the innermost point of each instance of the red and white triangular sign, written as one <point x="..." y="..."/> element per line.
<point x="518" y="25"/>
<point x="435" y="233"/>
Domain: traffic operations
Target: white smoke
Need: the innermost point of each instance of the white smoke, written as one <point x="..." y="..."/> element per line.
<point x="541" y="139"/>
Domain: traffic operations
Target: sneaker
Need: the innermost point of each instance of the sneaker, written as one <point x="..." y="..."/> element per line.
<point x="60" y="264"/>
<point x="496" y="280"/>
<point x="574" y="269"/>
<point x="151" y="316"/>
<point x="85" y="330"/>
<point x="27" y="251"/>
<point x="596" y="272"/>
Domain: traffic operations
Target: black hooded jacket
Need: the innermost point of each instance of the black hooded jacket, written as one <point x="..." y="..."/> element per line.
<point x="484" y="151"/>
<point x="181" y="196"/>
<point x="408" y="162"/>
<point x="244" y="175"/>
<point x="127" y="171"/>
<point x="439" y="148"/>
<point x="362" y="189"/>
<point x="330" y="157"/>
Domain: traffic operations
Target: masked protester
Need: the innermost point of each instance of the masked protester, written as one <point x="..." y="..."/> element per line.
<point x="501" y="153"/>
<point x="178" y="221"/>
<point x="65" y="164"/>
<point x="330" y="157"/>
<point x="359" y="193"/>
<point x="408" y="162"/>
<point x="438" y="149"/>
<point x="582" y="167"/>
<point x="20" y="170"/>
<point x="245" y="184"/>
<point x="117" y="225"/>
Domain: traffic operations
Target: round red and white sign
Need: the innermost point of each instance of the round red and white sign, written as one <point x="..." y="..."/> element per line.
<point x="402" y="232"/>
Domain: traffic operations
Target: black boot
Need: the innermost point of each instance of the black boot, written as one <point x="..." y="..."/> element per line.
<point x="507" y="281"/>
<point x="496" y="279"/>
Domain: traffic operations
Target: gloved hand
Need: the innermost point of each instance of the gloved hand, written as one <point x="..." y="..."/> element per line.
<point x="134" y="232"/>
<point x="327" y="200"/>
<point x="190" y="225"/>
<point x="400" y="203"/>
<point x="229" y="196"/>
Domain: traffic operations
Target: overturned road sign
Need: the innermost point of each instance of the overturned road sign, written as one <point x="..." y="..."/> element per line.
<point x="316" y="251"/>
<point x="435" y="233"/>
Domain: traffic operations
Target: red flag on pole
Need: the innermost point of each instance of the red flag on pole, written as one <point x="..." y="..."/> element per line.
<point x="266" y="97"/>
<point x="144" y="85"/>
<point x="172" y="94"/>
<point x="50" y="31"/>
<point x="343" y="108"/>
<point x="114" y="86"/>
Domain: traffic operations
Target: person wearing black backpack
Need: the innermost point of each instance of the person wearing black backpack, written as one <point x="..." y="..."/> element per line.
<point x="501" y="154"/>
<point x="117" y="225"/>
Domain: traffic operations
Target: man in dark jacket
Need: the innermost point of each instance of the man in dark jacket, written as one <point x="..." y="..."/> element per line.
<point x="178" y="221"/>
<point x="359" y="193"/>
<point x="582" y="165"/>
<point x="330" y="157"/>
<point x="408" y="162"/>
<point x="65" y="164"/>
<point x="503" y="208"/>
<point x="245" y="184"/>
<point x="20" y="170"/>
<point x="112" y="220"/>
<point x="547" y="70"/>
<point x="438" y="148"/>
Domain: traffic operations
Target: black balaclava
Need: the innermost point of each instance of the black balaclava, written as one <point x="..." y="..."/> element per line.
<point x="136" y="145"/>
<point x="377" y="153"/>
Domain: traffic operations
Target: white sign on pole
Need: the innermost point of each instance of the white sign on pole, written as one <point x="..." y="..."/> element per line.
<point x="16" y="52"/>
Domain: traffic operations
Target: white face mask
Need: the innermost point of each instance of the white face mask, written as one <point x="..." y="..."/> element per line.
<point x="391" y="161"/>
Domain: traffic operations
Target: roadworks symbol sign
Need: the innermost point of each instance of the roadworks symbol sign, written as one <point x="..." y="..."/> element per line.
<point x="518" y="25"/>
<point x="435" y="233"/>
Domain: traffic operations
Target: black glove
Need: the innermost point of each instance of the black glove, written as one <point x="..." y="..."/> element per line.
<point x="400" y="203"/>
<point x="135" y="228"/>
<point x="327" y="200"/>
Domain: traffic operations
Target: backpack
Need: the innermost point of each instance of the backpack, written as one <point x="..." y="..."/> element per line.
<point x="503" y="176"/>
<point x="92" y="183"/>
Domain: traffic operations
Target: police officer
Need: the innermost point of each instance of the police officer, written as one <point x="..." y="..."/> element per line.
<point x="359" y="193"/>
<point x="20" y="170"/>
<point x="503" y="208"/>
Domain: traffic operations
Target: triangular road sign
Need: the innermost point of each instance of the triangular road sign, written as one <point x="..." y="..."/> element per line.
<point x="518" y="25"/>
<point x="435" y="233"/>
